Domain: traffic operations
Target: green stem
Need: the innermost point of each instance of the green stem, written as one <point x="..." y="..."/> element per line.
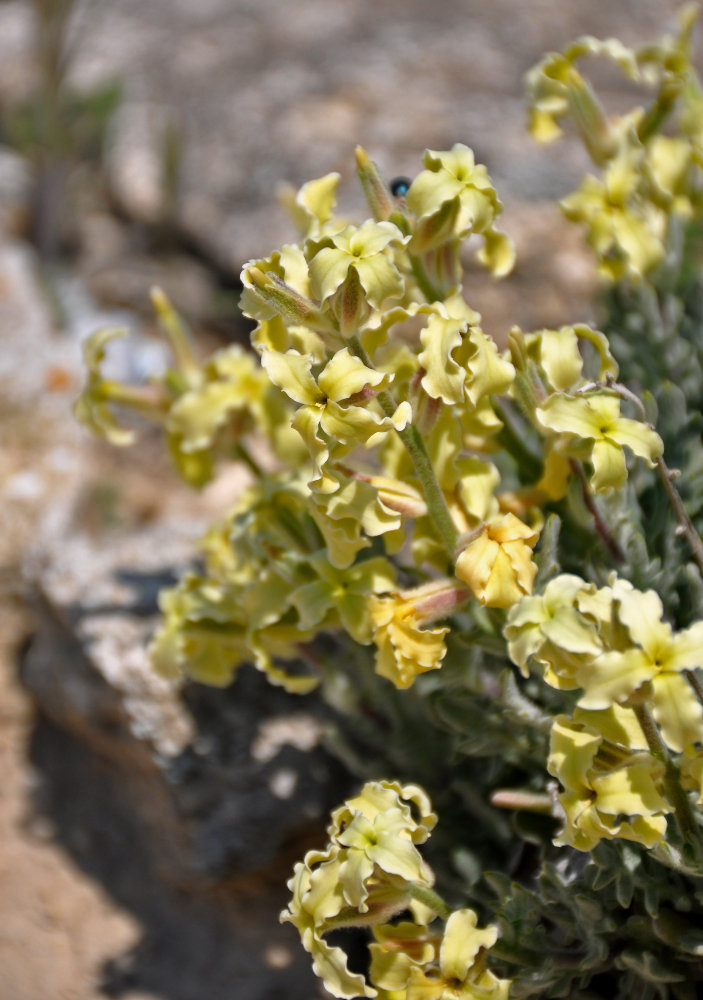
<point x="431" y="293"/>
<point x="601" y="526"/>
<point x="659" y="110"/>
<point x="695" y="684"/>
<point x="147" y="401"/>
<point x="672" y="785"/>
<point x="432" y="491"/>
<point x="667" y="476"/>
<point x="686" y="526"/>
<point x="244" y="455"/>
<point x="177" y="335"/>
<point x="423" y="894"/>
<point x="415" y="447"/>
<point x="515" y="446"/>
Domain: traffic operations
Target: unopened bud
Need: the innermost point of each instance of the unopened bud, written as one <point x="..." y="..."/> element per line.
<point x="518" y="349"/>
<point x="426" y="409"/>
<point x="393" y="493"/>
<point x="350" y="304"/>
<point x="436" y="600"/>
<point x="527" y="387"/>
<point x="289" y="304"/>
<point x="590" y="120"/>
<point x="178" y="336"/>
<point x="376" y="190"/>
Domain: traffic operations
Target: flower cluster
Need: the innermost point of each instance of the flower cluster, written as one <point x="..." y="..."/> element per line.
<point x="413" y="962"/>
<point x="371" y="870"/>
<point x="647" y="179"/>
<point x="206" y="411"/>
<point x="633" y="670"/>
<point x="433" y="510"/>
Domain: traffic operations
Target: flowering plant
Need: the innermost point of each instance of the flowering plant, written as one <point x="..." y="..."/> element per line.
<point x="486" y="548"/>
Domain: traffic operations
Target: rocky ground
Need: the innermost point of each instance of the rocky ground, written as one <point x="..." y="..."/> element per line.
<point x="221" y="101"/>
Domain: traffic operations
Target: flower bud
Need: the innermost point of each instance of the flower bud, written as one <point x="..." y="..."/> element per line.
<point x="349" y="305"/>
<point x="497" y="562"/>
<point x="178" y="337"/>
<point x="376" y="190"/>
<point x="284" y="300"/>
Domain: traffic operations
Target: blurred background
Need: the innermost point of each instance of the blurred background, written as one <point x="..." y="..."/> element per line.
<point x="145" y="834"/>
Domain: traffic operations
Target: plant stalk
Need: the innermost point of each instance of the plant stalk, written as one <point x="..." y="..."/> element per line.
<point x="672" y="785"/>
<point x="601" y="526"/>
<point x="686" y="525"/>
<point x="415" y="447"/>
<point x="420" y="275"/>
<point x="428" y="897"/>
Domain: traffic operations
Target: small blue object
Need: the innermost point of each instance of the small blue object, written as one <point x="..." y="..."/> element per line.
<point x="400" y="187"/>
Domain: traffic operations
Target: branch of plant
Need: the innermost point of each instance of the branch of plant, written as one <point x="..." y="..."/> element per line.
<point x="244" y="455"/>
<point x="424" y="283"/>
<point x="686" y="526"/>
<point x="695" y="683"/>
<point x="600" y="524"/>
<point x="428" y="897"/>
<point x="672" y="784"/>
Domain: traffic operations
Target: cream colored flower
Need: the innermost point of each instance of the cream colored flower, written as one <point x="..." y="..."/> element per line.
<point x="497" y="564"/>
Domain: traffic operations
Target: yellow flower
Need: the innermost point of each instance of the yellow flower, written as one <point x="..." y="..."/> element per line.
<point x="453" y="197"/>
<point x="403" y="648"/>
<point x="558" y="354"/>
<point x="336" y="403"/>
<point x="551" y="628"/>
<point x="317" y="898"/>
<point x="624" y="229"/>
<point x="412" y="963"/>
<point x="611" y="785"/>
<point x="594" y="426"/>
<point x="497" y="563"/>
<point x="312" y="207"/>
<point x="365" y="250"/>
<point x="362" y="876"/>
<point x="655" y="662"/>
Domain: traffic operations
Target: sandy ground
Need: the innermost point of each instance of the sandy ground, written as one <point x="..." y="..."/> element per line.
<point x="59" y="926"/>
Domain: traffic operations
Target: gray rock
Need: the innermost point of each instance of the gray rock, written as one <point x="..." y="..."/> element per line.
<point x="241" y="770"/>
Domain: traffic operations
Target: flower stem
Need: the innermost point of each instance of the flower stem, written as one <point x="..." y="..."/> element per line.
<point x="423" y="894"/>
<point x="667" y="476"/>
<point x="432" y="491"/>
<point x="244" y="455"/>
<point x="686" y="526"/>
<point x="695" y="684"/>
<point x="420" y="275"/>
<point x="601" y="526"/>
<point x="659" y="110"/>
<point x="146" y="400"/>
<point x="415" y="447"/>
<point x="672" y="785"/>
<point x="177" y="335"/>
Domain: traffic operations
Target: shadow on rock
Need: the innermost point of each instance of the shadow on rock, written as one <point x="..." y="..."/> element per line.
<point x="198" y="845"/>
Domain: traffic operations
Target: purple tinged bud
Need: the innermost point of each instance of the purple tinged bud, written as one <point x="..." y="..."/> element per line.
<point x="289" y="304"/>
<point x="376" y="191"/>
